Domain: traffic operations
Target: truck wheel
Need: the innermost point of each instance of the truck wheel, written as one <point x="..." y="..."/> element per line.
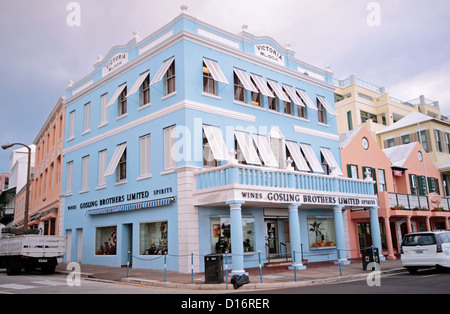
<point x="48" y="268"/>
<point x="12" y="270"/>
<point x="13" y="266"/>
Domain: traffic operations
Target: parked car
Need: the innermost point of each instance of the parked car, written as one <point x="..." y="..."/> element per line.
<point x="425" y="249"/>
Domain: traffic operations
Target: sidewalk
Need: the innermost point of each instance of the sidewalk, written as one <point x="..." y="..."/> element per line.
<point x="272" y="277"/>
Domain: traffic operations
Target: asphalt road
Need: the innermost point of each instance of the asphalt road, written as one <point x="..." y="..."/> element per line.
<point x="426" y="281"/>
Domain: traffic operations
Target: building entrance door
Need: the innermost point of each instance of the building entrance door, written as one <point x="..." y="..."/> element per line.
<point x="271" y="236"/>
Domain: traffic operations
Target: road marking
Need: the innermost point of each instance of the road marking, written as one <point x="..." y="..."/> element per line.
<point x="16" y="286"/>
<point x="50" y="283"/>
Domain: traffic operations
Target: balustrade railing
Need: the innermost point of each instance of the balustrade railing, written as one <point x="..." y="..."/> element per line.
<point x="279" y="178"/>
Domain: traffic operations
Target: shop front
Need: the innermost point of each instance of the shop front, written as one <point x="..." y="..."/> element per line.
<point x="251" y="221"/>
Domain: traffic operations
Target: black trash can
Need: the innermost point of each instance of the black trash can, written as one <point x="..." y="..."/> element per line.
<point x="368" y="256"/>
<point x="214" y="268"/>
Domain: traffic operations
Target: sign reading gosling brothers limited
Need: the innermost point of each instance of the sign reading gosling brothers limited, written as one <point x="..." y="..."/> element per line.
<point x="270" y="53"/>
<point x="310" y="199"/>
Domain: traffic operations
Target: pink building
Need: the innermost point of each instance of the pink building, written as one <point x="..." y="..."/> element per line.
<point x="408" y="186"/>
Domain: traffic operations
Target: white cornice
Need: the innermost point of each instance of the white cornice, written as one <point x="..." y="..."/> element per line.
<point x="186" y="35"/>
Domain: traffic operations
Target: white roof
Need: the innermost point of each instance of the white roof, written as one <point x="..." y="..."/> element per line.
<point x="412" y="118"/>
<point x="399" y="154"/>
<point x="346" y="137"/>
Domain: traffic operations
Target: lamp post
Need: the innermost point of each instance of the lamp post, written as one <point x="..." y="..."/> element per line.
<point x="27" y="192"/>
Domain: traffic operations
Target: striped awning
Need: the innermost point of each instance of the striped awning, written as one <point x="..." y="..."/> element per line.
<point x="129" y="207"/>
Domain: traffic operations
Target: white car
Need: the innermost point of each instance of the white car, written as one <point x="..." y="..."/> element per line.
<point x="425" y="249"/>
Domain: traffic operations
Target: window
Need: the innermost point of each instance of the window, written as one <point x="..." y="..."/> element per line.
<point x="209" y="84"/>
<point x="422" y="135"/>
<point x="221" y="234"/>
<point x="406" y="139"/>
<point x="170" y="152"/>
<point x="382" y="180"/>
<point x="418" y="185"/>
<point x="287" y="106"/>
<point x="321" y="232"/>
<point x="373" y="174"/>
<point x="144" y="142"/>
<point x="239" y="90"/>
<point x="103" y="109"/>
<point x="302" y="111"/>
<point x="106" y="240"/>
<point x="246" y="152"/>
<point x="153" y="238"/>
<point x="330" y="161"/>
<point x="69" y="177"/>
<point x="87" y="117"/>
<point x="352" y="171"/>
<point x="102" y="167"/>
<point x="447" y="141"/>
<point x="122" y="167"/>
<point x="116" y="159"/>
<point x="349" y="120"/>
<point x="145" y="91"/>
<point x="321" y="112"/>
<point x="437" y="134"/>
<point x="72" y="125"/>
<point x="123" y="102"/>
<point x="273" y="101"/>
<point x="170" y="79"/>
<point x="390" y="143"/>
<point x="85" y="173"/>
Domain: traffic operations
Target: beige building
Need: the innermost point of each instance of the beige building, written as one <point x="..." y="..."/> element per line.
<point x="395" y="122"/>
<point x="433" y="133"/>
<point x="362" y="103"/>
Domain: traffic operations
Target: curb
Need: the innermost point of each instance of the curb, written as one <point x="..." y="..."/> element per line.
<point x="255" y="286"/>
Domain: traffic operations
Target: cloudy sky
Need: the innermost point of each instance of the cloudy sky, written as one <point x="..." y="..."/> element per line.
<point x="402" y="45"/>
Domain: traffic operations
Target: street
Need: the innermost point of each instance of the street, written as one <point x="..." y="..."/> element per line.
<point x="429" y="281"/>
<point x="426" y="281"/>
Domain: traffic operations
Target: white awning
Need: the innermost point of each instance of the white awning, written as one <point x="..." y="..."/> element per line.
<point x="265" y="151"/>
<point x="115" y="159"/>
<point x="327" y="106"/>
<point x="116" y="94"/>
<point x="278" y="91"/>
<point x="311" y="158"/>
<point x="245" y="80"/>
<point x="162" y="71"/>
<point x="306" y="99"/>
<point x="247" y="148"/>
<point x="138" y="83"/>
<point x="215" y="70"/>
<point x="294" y="150"/>
<point x="216" y="142"/>
<point x="262" y="85"/>
<point x="329" y="158"/>
<point x="291" y="92"/>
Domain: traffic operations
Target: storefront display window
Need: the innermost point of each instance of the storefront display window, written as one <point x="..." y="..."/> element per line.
<point x="106" y="240"/>
<point x="153" y="238"/>
<point x="321" y="232"/>
<point x="221" y="234"/>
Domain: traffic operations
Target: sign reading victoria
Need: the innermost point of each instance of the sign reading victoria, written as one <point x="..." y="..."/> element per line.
<point x="270" y="53"/>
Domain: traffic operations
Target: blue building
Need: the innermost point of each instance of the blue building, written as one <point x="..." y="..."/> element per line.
<point x="194" y="141"/>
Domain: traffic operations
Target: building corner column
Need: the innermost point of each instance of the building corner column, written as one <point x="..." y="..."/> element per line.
<point x="375" y="231"/>
<point x="390" y="247"/>
<point x="340" y="235"/>
<point x="295" y="237"/>
<point x="237" y="246"/>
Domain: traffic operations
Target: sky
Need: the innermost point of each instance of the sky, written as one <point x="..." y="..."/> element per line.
<point x="402" y="45"/>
